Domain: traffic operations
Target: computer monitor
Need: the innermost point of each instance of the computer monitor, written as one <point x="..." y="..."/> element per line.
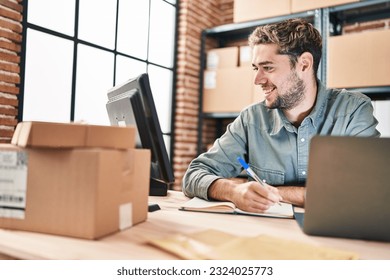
<point x="131" y="103"/>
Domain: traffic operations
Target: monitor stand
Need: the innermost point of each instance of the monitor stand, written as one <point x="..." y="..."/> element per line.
<point x="158" y="188"/>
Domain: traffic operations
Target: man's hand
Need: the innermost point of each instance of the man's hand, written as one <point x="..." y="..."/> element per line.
<point x="253" y="197"/>
<point x="248" y="196"/>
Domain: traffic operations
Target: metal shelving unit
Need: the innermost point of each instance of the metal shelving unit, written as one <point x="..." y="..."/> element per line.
<point x="327" y="20"/>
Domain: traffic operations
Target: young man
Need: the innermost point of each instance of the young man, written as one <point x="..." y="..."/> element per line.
<point x="274" y="135"/>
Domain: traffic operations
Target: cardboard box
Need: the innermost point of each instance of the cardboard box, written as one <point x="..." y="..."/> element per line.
<point x="81" y="192"/>
<point x="305" y="5"/>
<point x="359" y="59"/>
<point x="222" y="58"/>
<point x="47" y="134"/>
<point x="229" y="90"/>
<point x="246" y="10"/>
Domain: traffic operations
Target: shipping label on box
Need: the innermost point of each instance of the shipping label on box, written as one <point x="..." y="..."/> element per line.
<point x="212" y="60"/>
<point x="210" y="79"/>
<point x="245" y="56"/>
<point x="13" y="184"/>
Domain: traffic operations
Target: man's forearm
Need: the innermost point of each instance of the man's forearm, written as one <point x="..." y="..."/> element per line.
<point x="292" y="194"/>
<point x="221" y="189"/>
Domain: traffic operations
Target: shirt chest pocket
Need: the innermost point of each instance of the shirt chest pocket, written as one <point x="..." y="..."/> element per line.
<point x="271" y="177"/>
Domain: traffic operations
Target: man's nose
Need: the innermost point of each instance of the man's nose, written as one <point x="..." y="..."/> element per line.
<point x="260" y="78"/>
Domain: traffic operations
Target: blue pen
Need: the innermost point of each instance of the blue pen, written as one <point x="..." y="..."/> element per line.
<point x="250" y="171"/>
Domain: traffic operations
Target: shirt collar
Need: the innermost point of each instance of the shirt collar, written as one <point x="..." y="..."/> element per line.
<point x="279" y="120"/>
<point x="319" y="107"/>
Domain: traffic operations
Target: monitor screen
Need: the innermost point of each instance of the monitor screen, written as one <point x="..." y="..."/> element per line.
<point x="132" y="103"/>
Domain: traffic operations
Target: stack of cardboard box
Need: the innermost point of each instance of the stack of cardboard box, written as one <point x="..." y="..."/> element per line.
<point x="75" y="180"/>
<point x="353" y="60"/>
<point x="229" y="80"/>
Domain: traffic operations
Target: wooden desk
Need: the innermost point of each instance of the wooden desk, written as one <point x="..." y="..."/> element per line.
<point x="130" y="244"/>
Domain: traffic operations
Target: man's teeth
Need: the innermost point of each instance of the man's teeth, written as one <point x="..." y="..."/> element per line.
<point x="267" y="91"/>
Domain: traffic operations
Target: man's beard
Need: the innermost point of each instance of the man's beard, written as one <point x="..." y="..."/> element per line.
<point x="292" y="97"/>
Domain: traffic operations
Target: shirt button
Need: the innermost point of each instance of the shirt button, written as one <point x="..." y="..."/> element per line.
<point x="302" y="139"/>
<point x="303" y="172"/>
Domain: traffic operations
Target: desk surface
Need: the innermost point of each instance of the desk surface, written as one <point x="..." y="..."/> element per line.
<point x="131" y="243"/>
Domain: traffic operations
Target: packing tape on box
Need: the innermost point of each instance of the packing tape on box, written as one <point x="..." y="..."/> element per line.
<point x="125" y="216"/>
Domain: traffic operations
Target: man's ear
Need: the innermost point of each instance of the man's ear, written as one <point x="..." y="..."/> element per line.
<point x="306" y="62"/>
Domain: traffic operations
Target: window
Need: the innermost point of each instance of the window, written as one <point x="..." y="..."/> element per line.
<point x="76" y="50"/>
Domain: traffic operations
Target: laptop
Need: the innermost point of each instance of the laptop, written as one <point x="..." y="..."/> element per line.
<point x="348" y="188"/>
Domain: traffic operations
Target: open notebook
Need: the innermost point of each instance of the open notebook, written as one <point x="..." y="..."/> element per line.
<point x="284" y="210"/>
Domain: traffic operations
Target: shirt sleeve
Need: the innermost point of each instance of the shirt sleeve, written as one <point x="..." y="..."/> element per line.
<point x="362" y="121"/>
<point x="219" y="162"/>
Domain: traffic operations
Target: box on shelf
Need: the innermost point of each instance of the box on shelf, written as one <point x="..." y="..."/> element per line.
<point x="222" y="58"/>
<point x="50" y="134"/>
<point x="246" y="10"/>
<point x="84" y="192"/>
<point x="305" y="5"/>
<point x="359" y="59"/>
<point x="229" y="90"/>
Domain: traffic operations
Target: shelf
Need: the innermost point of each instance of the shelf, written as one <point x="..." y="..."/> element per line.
<point x="328" y="21"/>
<point x="377" y="93"/>
<point x="236" y="29"/>
<point x="220" y="115"/>
<point x="358" y="5"/>
<point x="359" y="12"/>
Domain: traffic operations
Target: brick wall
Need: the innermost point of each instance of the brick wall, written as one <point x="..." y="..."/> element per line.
<point x="10" y="47"/>
<point x="194" y="16"/>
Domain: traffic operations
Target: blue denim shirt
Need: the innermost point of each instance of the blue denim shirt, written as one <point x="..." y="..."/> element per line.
<point x="276" y="150"/>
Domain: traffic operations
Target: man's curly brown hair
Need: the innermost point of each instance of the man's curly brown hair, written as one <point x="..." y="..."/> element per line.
<point x="293" y="37"/>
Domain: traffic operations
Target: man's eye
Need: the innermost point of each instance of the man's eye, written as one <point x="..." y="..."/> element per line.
<point x="267" y="68"/>
<point x="255" y="68"/>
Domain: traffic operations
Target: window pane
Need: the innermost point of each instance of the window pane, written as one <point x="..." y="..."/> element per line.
<point x="97" y="22"/>
<point x="48" y="78"/>
<point x="127" y="68"/>
<point x="133" y="27"/>
<point x="167" y="142"/>
<point x="161" y="85"/>
<point x="57" y="15"/>
<point x="162" y="31"/>
<point x="95" y="70"/>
